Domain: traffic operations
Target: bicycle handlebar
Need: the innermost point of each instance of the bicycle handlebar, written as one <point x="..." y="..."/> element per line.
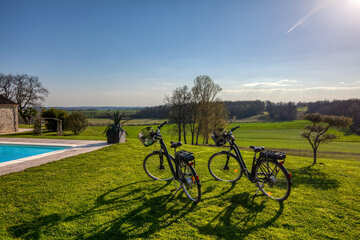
<point x="234" y="128"/>
<point x="161" y="125"/>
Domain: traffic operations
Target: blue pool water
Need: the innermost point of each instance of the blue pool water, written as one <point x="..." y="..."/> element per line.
<point x="10" y="152"/>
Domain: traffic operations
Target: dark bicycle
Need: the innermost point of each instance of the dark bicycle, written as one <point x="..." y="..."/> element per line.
<point x="267" y="171"/>
<point x="182" y="170"/>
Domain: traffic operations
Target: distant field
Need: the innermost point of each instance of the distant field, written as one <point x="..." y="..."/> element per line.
<point x="276" y="135"/>
<point x="106" y="121"/>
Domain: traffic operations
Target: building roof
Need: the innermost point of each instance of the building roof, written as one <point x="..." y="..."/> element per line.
<point x="4" y="100"/>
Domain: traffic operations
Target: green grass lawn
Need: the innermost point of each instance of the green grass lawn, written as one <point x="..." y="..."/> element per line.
<point x="106" y="195"/>
<point x="278" y="135"/>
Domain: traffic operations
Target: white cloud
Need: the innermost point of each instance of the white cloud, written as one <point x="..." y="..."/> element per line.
<point x="291" y="90"/>
<point x="278" y="83"/>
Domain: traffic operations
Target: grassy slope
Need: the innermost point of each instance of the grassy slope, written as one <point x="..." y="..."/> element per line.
<point x="280" y="135"/>
<point x="106" y="121"/>
<point x="106" y="195"/>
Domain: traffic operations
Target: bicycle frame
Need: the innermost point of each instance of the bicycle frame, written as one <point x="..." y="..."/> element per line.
<point x="249" y="175"/>
<point x="164" y="151"/>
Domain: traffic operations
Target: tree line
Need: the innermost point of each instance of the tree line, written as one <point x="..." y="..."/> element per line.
<point x="234" y="109"/>
<point x="348" y="108"/>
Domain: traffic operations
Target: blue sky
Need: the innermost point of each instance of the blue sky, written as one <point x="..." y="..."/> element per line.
<point x="133" y="53"/>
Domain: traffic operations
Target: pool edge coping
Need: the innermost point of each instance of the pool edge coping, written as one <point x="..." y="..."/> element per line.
<point x="76" y="147"/>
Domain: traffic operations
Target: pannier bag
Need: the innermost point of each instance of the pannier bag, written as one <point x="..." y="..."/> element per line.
<point x="184" y="156"/>
<point x="146" y="136"/>
<point x="273" y="155"/>
<point x="218" y="137"/>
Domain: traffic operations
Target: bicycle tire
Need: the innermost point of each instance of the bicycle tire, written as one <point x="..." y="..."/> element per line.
<point x="236" y="167"/>
<point x="190" y="181"/>
<point x="269" y="178"/>
<point x="163" y="167"/>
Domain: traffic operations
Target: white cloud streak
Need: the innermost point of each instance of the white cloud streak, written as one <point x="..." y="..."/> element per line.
<point x="291" y="90"/>
<point x="312" y="12"/>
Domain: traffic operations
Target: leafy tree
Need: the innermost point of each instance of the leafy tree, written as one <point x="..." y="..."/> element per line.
<point x="27" y="91"/>
<point x="76" y="122"/>
<point x="51" y="125"/>
<point x="29" y="114"/>
<point x="316" y="133"/>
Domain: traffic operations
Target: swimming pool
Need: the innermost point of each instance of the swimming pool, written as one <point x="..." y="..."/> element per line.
<point x="9" y="152"/>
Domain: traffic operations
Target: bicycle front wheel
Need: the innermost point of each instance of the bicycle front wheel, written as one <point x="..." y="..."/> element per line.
<point x="156" y="168"/>
<point x="273" y="180"/>
<point x="190" y="182"/>
<point x="224" y="166"/>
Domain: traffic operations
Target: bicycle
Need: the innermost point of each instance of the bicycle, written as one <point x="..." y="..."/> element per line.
<point x="267" y="170"/>
<point x="182" y="170"/>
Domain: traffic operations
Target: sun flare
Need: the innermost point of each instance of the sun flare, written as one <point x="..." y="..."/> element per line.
<point x="354" y="3"/>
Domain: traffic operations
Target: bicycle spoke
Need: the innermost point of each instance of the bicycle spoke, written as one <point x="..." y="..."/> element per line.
<point x="191" y="185"/>
<point x="225" y="167"/>
<point x="156" y="168"/>
<point x="272" y="179"/>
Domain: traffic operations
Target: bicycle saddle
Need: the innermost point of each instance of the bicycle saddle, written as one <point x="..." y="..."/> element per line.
<point x="175" y="144"/>
<point x="257" y="149"/>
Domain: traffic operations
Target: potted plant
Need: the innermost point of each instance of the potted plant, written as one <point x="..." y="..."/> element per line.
<point x="114" y="131"/>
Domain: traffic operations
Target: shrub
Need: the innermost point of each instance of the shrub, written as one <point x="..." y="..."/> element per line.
<point x="76" y="122"/>
<point x="51" y="125"/>
<point x="316" y="132"/>
<point x="37" y="126"/>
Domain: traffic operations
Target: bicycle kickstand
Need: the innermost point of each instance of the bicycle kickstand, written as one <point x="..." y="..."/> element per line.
<point x="256" y="193"/>
<point x="176" y="189"/>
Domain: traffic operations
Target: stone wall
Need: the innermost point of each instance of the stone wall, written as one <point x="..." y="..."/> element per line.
<point x="8" y="118"/>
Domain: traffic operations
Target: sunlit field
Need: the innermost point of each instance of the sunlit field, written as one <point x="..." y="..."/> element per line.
<point x="106" y="195"/>
<point x="275" y="135"/>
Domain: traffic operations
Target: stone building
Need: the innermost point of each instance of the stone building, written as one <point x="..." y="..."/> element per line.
<point x="9" y="120"/>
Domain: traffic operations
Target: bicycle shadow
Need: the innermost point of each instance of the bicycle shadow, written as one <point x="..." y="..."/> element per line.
<point x="313" y="177"/>
<point x="212" y="187"/>
<point x="152" y="215"/>
<point x="228" y="224"/>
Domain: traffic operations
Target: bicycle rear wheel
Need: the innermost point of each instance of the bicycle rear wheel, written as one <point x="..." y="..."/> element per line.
<point x="190" y="182"/>
<point x="273" y="180"/>
<point x="156" y="168"/>
<point x="224" y="166"/>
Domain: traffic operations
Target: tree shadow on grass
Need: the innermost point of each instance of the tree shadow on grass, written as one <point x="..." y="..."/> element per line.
<point x="228" y="224"/>
<point x="141" y="221"/>
<point x="312" y="176"/>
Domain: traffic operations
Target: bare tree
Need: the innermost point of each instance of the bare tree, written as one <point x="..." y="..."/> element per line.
<point x="218" y="116"/>
<point x="194" y="112"/>
<point x="197" y="110"/>
<point x="179" y="113"/>
<point x="6" y="86"/>
<point x="205" y="91"/>
<point x="27" y="91"/>
<point x="316" y="133"/>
